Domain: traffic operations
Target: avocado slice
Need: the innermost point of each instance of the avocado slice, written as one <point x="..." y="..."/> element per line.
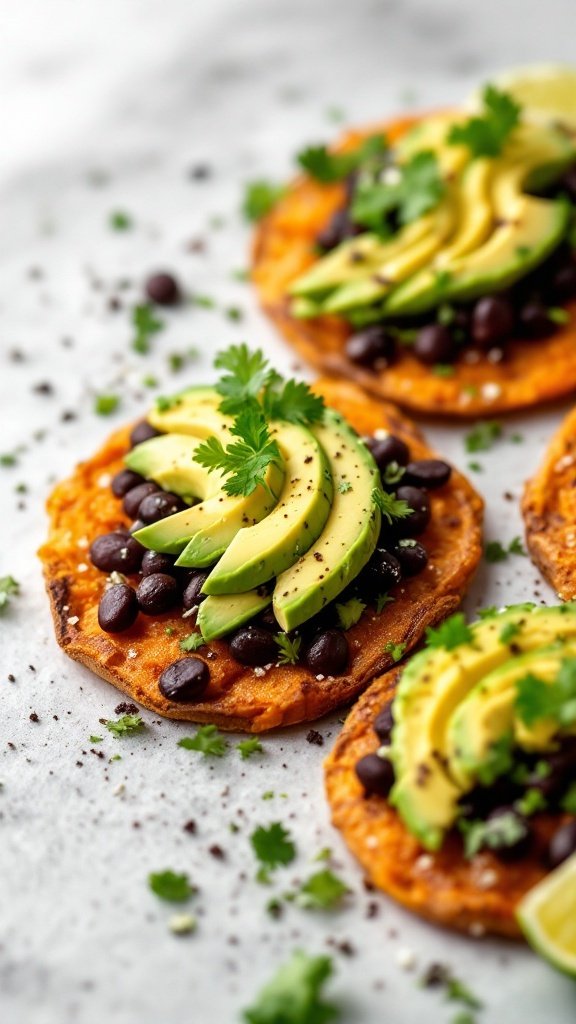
<point x="433" y="685"/>
<point x="220" y="615"/>
<point x="349" y="536"/>
<point x="258" y="553"/>
<point x="169" y="460"/>
<point x="488" y="712"/>
<point x="194" y="411"/>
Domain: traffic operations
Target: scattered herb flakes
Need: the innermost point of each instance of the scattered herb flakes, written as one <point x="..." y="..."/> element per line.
<point x="450" y="634"/>
<point x="244" y="462"/>
<point x="463" y="1017"/>
<point x="350" y="612"/>
<point x="495" y="552"/>
<point x="9" y="588"/>
<point x="146" y="324"/>
<point x="558" y="315"/>
<point x="166" y="402"/>
<point x="443" y="370"/>
<point x="259" y="198"/>
<point x="516" y="547"/>
<point x="169" y="886"/>
<point x="294" y="994"/>
<point x="483" y="436"/>
<point x="193" y="642"/>
<point x="381" y="601"/>
<point x="249" y="747"/>
<point x="391" y="508"/>
<point x="324" y="854"/>
<point x="150" y="382"/>
<point x="288" y="647"/>
<point x="207" y="741"/>
<point x="119" y="220"/>
<point x="344" y="486"/>
<point x="8" y="459"/>
<point x="203" y="301"/>
<point x="458" y="992"/>
<point x="96" y="739"/>
<point x="532" y="801"/>
<point x="105" y="405"/>
<point x="395" y="650"/>
<point x="176" y="361"/>
<point x="322" y="891"/>
<point x="125" y="725"/>
<point x="393" y="473"/>
<point x="475" y="467"/>
<point x="234" y="313"/>
<point x="516" y="438"/>
<point x="485" y="134"/>
<point x="273" y="845"/>
<point x="182" y="924"/>
<point x="268" y="795"/>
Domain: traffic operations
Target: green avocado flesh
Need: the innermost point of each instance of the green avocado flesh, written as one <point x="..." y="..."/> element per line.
<point x="485" y="234"/>
<point x="455" y="708"/>
<point x="169" y="461"/>
<point x="219" y="615"/>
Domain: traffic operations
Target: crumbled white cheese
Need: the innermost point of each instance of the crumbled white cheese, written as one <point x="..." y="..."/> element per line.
<point x="132" y="653"/>
<point x="406" y="958"/>
<point x="182" y="924"/>
<point x="424" y="862"/>
<point x="380" y="434"/>
<point x="371" y="842"/>
<point x="104" y="480"/>
<point x="83" y="542"/>
<point x="258" y="671"/>
<point x="187" y="614"/>
<point x="82" y="567"/>
<point x="73" y="620"/>
<point x="491" y="391"/>
<point x="564" y="463"/>
<point x="320" y="677"/>
<point x="487" y="879"/>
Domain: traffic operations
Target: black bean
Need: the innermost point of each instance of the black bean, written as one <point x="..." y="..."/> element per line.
<point x="268" y="620"/>
<point x="492" y="320"/>
<point x="338" y="228"/>
<point x="157" y="593"/>
<point x="418" y="520"/>
<point x="154" y="561"/>
<point x="132" y="499"/>
<point x="143" y="431"/>
<point x="125" y="481"/>
<point x="427" y="473"/>
<point x="118" y="608"/>
<point x="327" y="654"/>
<point x="412" y="556"/>
<point x="534" y="320"/>
<point x="185" y="679"/>
<point x="388" y="449"/>
<point x="192" y="595"/>
<point x="562" y="844"/>
<point x="116" y="552"/>
<point x="509" y="851"/>
<point x="382" y="572"/>
<point x="159" y="505"/>
<point x="254" y="646"/>
<point x="480" y="801"/>
<point x="163" y="289"/>
<point x="376" y="774"/>
<point x="564" y="283"/>
<point x="370" y="346"/>
<point x="384" y="723"/>
<point x="434" y="344"/>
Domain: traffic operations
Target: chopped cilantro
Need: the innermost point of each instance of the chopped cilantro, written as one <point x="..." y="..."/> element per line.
<point x="476" y="467"/>
<point x="393" y="474"/>
<point x="120" y="221"/>
<point x="536" y="699"/>
<point x="289" y="648"/>
<point x="483" y="436"/>
<point x="323" y="165"/>
<point x="350" y="612"/>
<point x="381" y="601"/>
<point x="145" y="323"/>
<point x="516" y="547"/>
<point x="505" y="830"/>
<point x="494" y="552"/>
<point x="125" y="725"/>
<point x="149" y="381"/>
<point x="508" y="632"/>
<point x="273" y="845"/>
<point x="395" y="650"/>
<point x="166" y="402"/>
<point x="488" y="612"/>
<point x="259" y="198"/>
<point x="244" y="462"/>
<point x="391" y="508"/>
<point x="193" y="642"/>
<point x="530" y="802"/>
<point x="8" y="459"/>
<point x="96" y="739"/>
<point x="568" y="802"/>
<point x="443" y="370"/>
<point x="344" y="486"/>
<point x="418" y="189"/>
<point x="458" y="992"/>
<point x="248" y="373"/>
<point x="176" y="361"/>
<point x="294" y="995"/>
<point x="104" y="405"/>
<point x="558" y="315"/>
<point x="450" y="634"/>
<point x="248" y="747"/>
<point x="323" y="890"/>
<point x="485" y="134"/>
<point x="207" y="740"/>
<point x="9" y="587"/>
<point x="498" y="759"/>
<point x="167" y="885"/>
<point x="292" y="400"/>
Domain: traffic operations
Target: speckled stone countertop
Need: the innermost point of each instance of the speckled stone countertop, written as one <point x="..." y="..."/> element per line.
<point x="163" y="109"/>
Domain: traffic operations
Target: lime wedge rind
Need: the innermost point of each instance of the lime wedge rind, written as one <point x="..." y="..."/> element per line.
<point x="547" y="917"/>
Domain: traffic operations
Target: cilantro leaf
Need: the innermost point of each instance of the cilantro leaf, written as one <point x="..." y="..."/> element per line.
<point x="243" y="462"/>
<point x="502" y="831"/>
<point x="508" y="632"/>
<point x="327" y="166"/>
<point x="419" y="188"/>
<point x="120" y="221"/>
<point x="516" y="547"/>
<point x="273" y="845"/>
<point x="485" y="134"/>
<point x="450" y="634"/>
<point x="498" y="759"/>
<point x="9" y="587"/>
<point x="145" y="323"/>
<point x="289" y="648"/>
<point x="248" y="373"/>
<point x="294" y="994"/>
<point x="391" y="508"/>
<point x="395" y="650"/>
<point x="171" y="887"/>
<point x="207" y="740"/>
<point x="537" y="699"/>
<point x="323" y="890"/>
<point x="381" y="601"/>
<point x="350" y="612"/>
<point x="495" y="552"/>
<point x="125" y="725"/>
<point x="458" y="992"/>
<point x="482" y="437"/>
<point x="295" y="402"/>
<point x="105" y="405"/>
<point x="193" y="642"/>
<point x="259" y="198"/>
<point x="248" y="747"/>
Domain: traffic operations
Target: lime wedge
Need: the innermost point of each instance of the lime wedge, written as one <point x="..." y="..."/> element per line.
<point x="547" y="92"/>
<point x="547" y="916"/>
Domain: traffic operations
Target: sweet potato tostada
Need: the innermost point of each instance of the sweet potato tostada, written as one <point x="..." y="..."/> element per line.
<point x="452" y="779"/>
<point x="312" y="650"/>
<point x="549" y="510"/>
<point x="431" y="259"/>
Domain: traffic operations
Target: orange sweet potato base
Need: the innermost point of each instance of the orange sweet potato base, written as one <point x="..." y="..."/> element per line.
<point x="549" y="509"/>
<point x="478" y="896"/>
<point x="532" y="372"/>
<point x="83" y="507"/>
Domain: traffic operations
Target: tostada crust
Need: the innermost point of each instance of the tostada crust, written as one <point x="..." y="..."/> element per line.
<point x="477" y="896"/>
<point x="531" y="373"/>
<point x="83" y="507"/>
<point x="549" y="510"/>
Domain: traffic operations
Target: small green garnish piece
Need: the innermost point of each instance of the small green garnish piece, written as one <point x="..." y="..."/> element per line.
<point x="120" y="221"/>
<point x="8" y="459"/>
<point x="568" y="802"/>
<point x="450" y="634"/>
<point x="292" y="400"/>
<point x="249" y="747"/>
<point x="149" y="381"/>
<point x="289" y="648"/>
<point x="516" y="547"/>
<point x="96" y="739"/>
<point x="558" y="315"/>
<point x="419" y="188"/>
<point x="476" y="467"/>
<point x="176" y="361"/>
<point x="243" y="462"/>
<point x="294" y="994"/>
<point x="273" y="845"/>
<point x="395" y="650"/>
<point x="381" y="601"/>
<point x="483" y="436"/>
<point x="488" y="612"/>
<point x="207" y="740"/>
<point x="391" y="508"/>
<point x="146" y="324"/>
<point x="458" y="992"/>
<point x="322" y="891"/>
<point x="443" y="370"/>
<point x="344" y="486"/>
<point x="498" y="760"/>
<point x="325" y="166"/>
<point x="350" y="612"/>
<point x="393" y="474"/>
<point x="169" y="886"/>
<point x="508" y="632"/>
<point x="126" y="725"/>
<point x="9" y="588"/>
<point x="259" y="198"/>
<point x="486" y="134"/>
<point x="536" y="699"/>
<point x="193" y="642"/>
<point x="105" y="405"/>
<point x="166" y="402"/>
<point x="495" y="552"/>
<point x="505" y="830"/>
<point x="248" y="373"/>
<point x="530" y="802"/>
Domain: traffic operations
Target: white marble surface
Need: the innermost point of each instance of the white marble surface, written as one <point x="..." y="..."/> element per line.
<point x="131" y="94"/>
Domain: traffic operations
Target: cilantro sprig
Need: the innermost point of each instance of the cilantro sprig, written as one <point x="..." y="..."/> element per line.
<point x="244" y="462"/>
<point x="391" y="508"/>
<point x="207" y="740"/>
<point x="537" y="699"/>
<point x="417" y="190"/>
<point x="486" y="134"/>
<point x="125" y="726"/>
<point x="288" y="648"/>
<point x="326" y="166"/>
<point x="450" y="634"/>
<point x="273" y="845"/>
<point x="294" y="994"/>
<point x="169" y="886"/>
<point x="9" y="588"/>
